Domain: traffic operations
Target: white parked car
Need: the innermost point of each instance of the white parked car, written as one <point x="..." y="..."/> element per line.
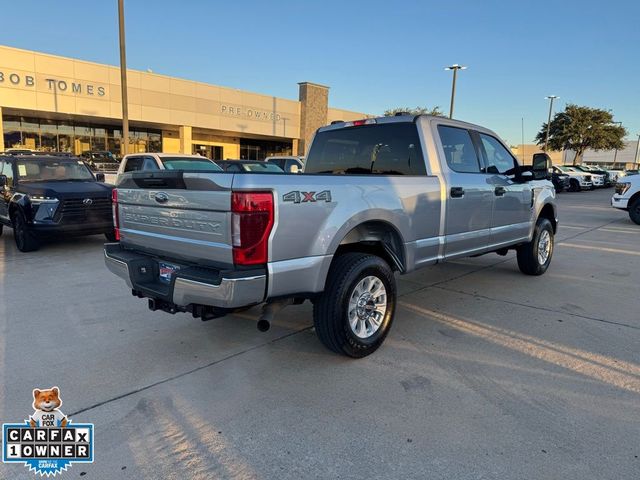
<point x="289" y="164"/>
<point x="165" y="161"/>
<point x="627" y="196"/>
<point x="577" y="180"/>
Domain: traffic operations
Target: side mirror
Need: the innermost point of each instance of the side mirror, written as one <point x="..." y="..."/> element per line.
<point x="100" y="177"/>
<point x="3" y="181"/>
<point x="527" y="176"/>
<point x="294" y="169"/>
<point x="541" y="165"/>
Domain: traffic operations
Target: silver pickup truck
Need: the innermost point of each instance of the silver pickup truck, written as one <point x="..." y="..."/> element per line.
<point x="377" y="196"/>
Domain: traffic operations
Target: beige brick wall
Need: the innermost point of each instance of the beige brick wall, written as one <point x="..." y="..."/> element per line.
<point x="314" y="101"/>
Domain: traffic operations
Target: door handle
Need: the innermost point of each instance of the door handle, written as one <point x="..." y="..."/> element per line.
<point x="457" y="192"/>
<point x="500" y="191"/>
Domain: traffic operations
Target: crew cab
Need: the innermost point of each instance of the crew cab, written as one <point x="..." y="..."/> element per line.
<point x="577" y="180"/>
<point x="378" y="196"/>
<point x="627" y="196"/>
<point x="43" y="195"/>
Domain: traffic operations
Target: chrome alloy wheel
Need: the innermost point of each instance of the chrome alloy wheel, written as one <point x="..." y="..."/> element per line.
<point x="367" y="306"/>
<point x="544" y="247"/>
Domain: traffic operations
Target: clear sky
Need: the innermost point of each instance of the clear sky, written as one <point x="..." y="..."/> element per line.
<point x="373" y="54"/>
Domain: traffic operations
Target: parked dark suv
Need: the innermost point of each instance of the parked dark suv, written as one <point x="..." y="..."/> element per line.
<point x="43" y="195"/>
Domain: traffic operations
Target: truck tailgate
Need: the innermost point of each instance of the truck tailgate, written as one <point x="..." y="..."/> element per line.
<point x="187" y="214"/>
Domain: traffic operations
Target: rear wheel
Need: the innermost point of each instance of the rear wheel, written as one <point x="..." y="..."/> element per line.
<point x="534" y="257"/>
<point x="24" y="237"/>
<point x="354" y="313"/>
<point x="634" y="211"/>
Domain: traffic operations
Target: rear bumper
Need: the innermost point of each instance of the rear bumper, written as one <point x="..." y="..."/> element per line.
<point x="190" y="285"/>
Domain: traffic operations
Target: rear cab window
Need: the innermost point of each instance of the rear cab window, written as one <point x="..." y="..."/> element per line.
<point x="379" y="149"/>
<point x="190" y="163"/>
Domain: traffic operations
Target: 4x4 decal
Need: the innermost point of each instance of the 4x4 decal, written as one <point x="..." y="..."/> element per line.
<point x="302" y="197"/>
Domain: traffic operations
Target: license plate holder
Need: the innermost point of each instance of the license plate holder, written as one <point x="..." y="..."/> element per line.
<point x="166" y="271"/>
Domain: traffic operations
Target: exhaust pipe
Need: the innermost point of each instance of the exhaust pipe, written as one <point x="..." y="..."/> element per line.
<point x="269" y="311"/>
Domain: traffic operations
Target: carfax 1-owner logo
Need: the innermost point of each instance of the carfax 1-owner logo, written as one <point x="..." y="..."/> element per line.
<point x="48" y="442"/>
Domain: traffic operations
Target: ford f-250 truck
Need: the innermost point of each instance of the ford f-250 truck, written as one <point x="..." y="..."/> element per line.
<point x="378" y="196"/>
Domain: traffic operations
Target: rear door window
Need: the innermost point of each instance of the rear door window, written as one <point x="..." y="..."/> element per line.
<point x="382" y="149"/>
<point x="459" y="150"/>
<point x="133" y="164"/>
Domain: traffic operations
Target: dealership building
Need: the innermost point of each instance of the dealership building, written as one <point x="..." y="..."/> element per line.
<point x="52" y="103"/>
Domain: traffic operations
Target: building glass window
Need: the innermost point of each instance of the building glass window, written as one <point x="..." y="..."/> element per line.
<point x="68" y="136"/>
<point x="48" y="136"/>
<point x="260" y="149"/>
<point x="12" y="132"/>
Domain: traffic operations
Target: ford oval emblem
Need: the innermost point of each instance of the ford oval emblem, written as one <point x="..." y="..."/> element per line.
<point x="161" y="197"/>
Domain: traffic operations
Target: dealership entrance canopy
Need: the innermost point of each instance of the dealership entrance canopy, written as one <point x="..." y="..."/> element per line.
<point x="52" y="103"/>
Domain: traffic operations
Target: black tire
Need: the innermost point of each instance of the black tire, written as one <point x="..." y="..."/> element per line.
<point x="529" y="262"/>
<point x="24" y="238"/>
<point x="634" y="211"/>
<point x="574" y="185"/>
<point x="1" y="228"/>
<point x="347" y="274"/>
<point x="110" y="236"/>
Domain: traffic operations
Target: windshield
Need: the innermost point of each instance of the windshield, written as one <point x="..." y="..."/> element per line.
<point x="52" y="170"/>
<point x="567" y="169"/>
<point x="262" y="167"/>
<point x="186" y="163"/>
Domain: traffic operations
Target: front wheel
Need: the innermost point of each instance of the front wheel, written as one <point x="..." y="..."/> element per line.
<point x="25" y="239"/>
<point x="354" y="313"/>
<point x="634" y="211"/>
<point x="574" y="186"/>
<point x="534" y="257"/>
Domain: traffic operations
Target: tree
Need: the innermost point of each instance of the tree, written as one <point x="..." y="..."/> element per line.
<point x="414" y="111"/>
<point x="579" y="128"/>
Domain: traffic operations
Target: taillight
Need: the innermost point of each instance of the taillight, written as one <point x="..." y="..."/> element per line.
<point x="251" y="223"/>
<point x="116" y="215"/>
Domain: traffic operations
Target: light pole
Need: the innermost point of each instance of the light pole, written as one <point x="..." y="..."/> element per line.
<point x="455" y="67"/>
<point x="546" y="141"/>
<point x="615" y="153"/>
<point x="635" y="158"/>
<point x="123" y="80"/>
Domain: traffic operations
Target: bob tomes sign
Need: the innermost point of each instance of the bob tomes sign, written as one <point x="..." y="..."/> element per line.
<point x="50" y="84"/>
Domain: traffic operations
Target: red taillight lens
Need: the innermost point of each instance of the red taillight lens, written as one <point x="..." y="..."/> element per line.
<point x="251" y="223"/>
<point x="116" y="215"/>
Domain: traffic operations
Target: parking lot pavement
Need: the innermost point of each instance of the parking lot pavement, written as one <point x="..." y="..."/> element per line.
<point x="486" y="373"/>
